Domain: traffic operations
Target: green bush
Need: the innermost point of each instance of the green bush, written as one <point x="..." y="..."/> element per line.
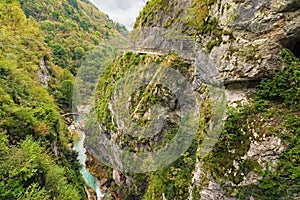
<point x="283" y="86"/>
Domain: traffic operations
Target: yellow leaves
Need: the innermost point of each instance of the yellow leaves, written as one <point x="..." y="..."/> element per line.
<point x="198" y="12"/>
<point x="42" y="129"/>
<point x="11" y="15"/>
<point x="21" y="41"/>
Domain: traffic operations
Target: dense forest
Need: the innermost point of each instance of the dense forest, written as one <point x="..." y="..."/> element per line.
<point x="42" y="44"/>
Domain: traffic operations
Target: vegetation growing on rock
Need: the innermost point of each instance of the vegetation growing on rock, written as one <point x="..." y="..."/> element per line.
<point x="257" y="153"/>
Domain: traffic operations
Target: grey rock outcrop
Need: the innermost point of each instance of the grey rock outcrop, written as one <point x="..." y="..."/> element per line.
<point x="43" y="73"/>
<point x="259" y="29"/>
<point x="252" y="34"/>
<point x="247" y="49"/>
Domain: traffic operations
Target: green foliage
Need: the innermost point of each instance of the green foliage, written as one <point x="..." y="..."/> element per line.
<point x="104" y="88"/>
<point x="23" y="100"/>
<point x="174" y="180"/>
<point x="149" y="16"/>
<point x="21" y="177"/>
<point x="233" y="144"/>
<point x="62" y="89"/>
<point x="60" y="55"/>
<point x="283" y="86"/>
<point x="29" y="117"/>
<point x="66" y="91"/>
<point x="284" y="182"/>
<point x="274" y="111"/>
<point x="73" y="3"/>
<point x="71" y="28"/>
<point x="26" y="107"/>
<point x="198" y="13"/>
<point x="79" y="52"/>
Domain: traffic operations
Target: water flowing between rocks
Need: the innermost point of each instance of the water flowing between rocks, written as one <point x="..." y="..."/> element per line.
<point x="92" y="181"/>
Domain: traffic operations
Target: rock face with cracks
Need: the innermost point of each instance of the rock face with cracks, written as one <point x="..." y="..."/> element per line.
<point x="242" y="37"/>
<point x="244" y="40"/>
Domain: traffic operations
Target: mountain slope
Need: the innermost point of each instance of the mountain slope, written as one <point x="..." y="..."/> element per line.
<point x="37" y="38"/>
<point x="71" y="28"/>
<point x="35" y="161"/>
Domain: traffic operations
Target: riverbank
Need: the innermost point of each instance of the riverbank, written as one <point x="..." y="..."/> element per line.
<point x="77" y="130"/>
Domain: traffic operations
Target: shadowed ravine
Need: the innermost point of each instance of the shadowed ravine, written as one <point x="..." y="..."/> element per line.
<point x="79" y="147"/>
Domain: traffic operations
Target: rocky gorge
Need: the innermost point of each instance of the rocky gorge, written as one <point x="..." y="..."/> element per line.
<point x="199" y="101"/>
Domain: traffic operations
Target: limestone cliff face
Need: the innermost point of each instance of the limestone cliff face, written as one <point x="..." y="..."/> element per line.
<point x="43" y="73"/>
<point x="244" y="40"/>
<point x="242" y="37"/>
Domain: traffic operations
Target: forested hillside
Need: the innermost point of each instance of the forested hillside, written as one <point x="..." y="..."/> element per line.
<point x="71" y="28"/>
<point x="41" y="44"/>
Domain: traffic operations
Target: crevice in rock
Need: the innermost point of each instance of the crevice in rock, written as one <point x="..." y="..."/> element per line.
<point x="290" y="6"/>
<point x="238" y="84"/>
<point x="296" y="49"/>
<point x="293" y="45"/>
